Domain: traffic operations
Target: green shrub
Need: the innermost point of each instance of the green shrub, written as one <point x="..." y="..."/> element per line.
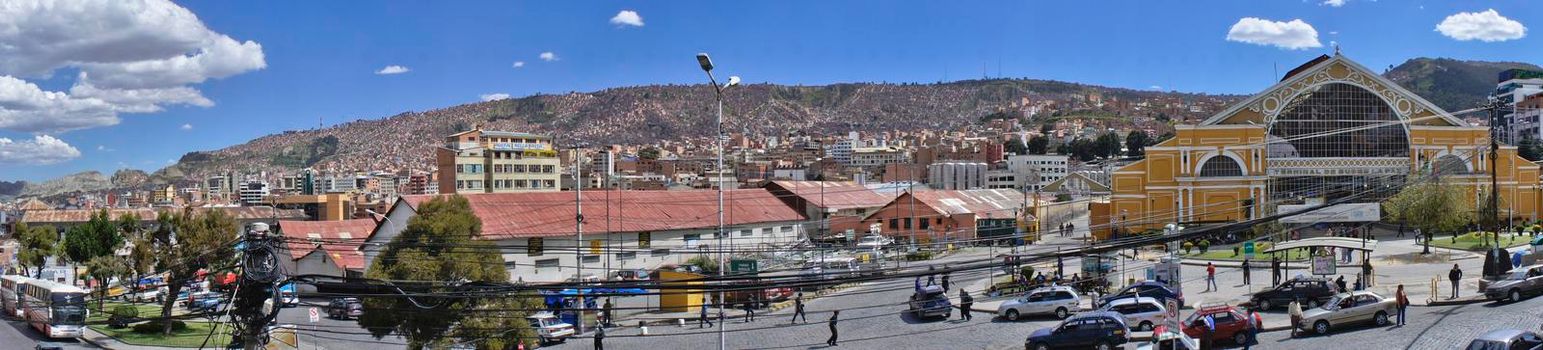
<point x="1188" y="246"/>
<point x="917" y="256"/>
<point x="1205" y="245"/>
<point x="125" y="311"/>
<point x="153" y="327"/>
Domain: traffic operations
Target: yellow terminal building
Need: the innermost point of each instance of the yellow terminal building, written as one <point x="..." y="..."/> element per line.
<point x="1328" y="130"/>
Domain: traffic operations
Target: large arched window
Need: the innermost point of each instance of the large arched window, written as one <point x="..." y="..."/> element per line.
<point x="1339" y="120"/>
<point x="1450" y="164"/>
<point x="1219" y="166"/>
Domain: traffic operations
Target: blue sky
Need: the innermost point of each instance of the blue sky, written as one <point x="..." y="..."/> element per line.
<point x="318" y="60"/>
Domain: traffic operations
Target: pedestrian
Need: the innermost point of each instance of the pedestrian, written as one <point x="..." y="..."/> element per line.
<point x="833" y="315"/>
<point x="702" y="317"/>
<point x="965" y="302"/>
<point x="750" y="311"/>
<point x="1210" y="277"/>
<point x="945" y="281"/>
<point x="1210" y="332"/>
<point x="918" y="284"/>
<point x="1341" y="284"/>
<point x="605" y="312"/>
<point x="1366" y="272"/>
<point x="599" y="338"/>
<point x="1245" y="271"/>
<point x="1275" y="270"/>
<point x="1295" y="310"/>
<point x="798" y="308"/>
<point x="1255" y="325"/>
<point x="1454" y="275"/>
<point x="1403" y="303"/>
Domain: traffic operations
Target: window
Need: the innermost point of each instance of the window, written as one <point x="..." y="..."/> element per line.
<point x="691" y="240"/>
<point x="519" y="168"/>
<point x="659" y="252"/>
<point x="534" y="246"/>
<point x="546" y="169"/>
<point x="519" y="184"/>
<point x="1221" y="166"/>
<point x="746" y="233"/>
<point x="546" y="263"/>
<point x="590" y="259"/>
<point x="626" y="255"/>
<point x="907" y="222"/>
<point x="894" y="224"/>
<point x="644" y="239"/>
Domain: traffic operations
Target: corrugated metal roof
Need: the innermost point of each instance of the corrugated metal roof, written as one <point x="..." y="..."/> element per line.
<point x="149" y="214"/>
<point x="339" y="239"/>
<point x="836" y="195"/>
<point x="985" y="204"/>
<point x="548" y="214"/>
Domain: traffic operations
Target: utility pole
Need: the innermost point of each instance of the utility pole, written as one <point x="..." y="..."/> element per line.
<point x="707" y="67"/>
<point x="260" y="274"/>
<point x="578" y="229"/>
<point x="1494" y="152"/>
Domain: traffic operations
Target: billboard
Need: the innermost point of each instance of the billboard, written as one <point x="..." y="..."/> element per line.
<point x="1348" y="212"/>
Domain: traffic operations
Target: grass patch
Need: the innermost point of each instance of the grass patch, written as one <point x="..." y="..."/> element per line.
<point x="1474" y="242"/>
<point x="192" y="337"/>
<point x="145" y="310"/>
<point x="1225" y="254"/>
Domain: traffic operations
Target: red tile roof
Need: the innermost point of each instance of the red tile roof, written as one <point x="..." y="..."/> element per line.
<point x="985" y="204"/>
<point x="547" y="214"/>
<point x="836" y="195"/>
<point x="339" y="239"/>
<point x="68" y="216"/>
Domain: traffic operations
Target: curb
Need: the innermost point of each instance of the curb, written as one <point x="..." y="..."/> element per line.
<point x="666" y="321"/>
<point x="1458" y="301"/>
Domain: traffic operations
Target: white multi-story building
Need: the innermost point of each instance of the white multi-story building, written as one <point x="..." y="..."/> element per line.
<point x="1515" y="85"/>
<point x="647" y="229"/>
<point x="878" y="156"/>
<point x="253" y="192"/>
<point x="1049" y="167"/>
<point x="841" y="151"/>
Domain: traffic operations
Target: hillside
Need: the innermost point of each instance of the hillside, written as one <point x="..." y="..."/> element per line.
<point x="1453" y="85"/>
<point x="645" y="114"/>
<point x="78" y="182"/>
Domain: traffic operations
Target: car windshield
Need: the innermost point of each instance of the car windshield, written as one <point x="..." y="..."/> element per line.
<point x="1517" y="275"/>
<point x="1332" y="302"/>
<point x="1480" y="344"/>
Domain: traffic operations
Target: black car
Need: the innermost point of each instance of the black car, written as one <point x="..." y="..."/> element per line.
<point x="1101" y="330"/>
<point x="345" y="308"/>
<point x="1151" y="289"/>
<point x="1311" y="292"/>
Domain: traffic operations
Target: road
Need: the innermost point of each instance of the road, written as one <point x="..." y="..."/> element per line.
<point x="18" y="335"/>
<point x="330" y="333"/>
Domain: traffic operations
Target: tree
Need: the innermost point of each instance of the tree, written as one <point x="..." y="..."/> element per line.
<point x="142" y="255"/>
<point x="456" y="255"/>
<point x="1531" y="149"/>
<point x="97" y="237"/>
<point x="1016" y="146"/>
<point x="1164" y="137"/>
<point x="1431" y="205"/>
<point x="187" y="242"/>
<point x="1107" y="145"/>
<point x="105" y="268"/>
<point x="1038" y="145"/>
<point x="37" y="244"/>
<point x="649" y="153"/>
<point x="1136" y="143"/>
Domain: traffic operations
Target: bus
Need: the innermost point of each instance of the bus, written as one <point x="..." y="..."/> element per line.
<point x="57" y="310"/>
<point x="11" y="292"/>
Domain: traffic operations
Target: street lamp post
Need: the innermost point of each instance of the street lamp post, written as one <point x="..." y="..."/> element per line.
<point x="707" y="67"/>
<point x="578" y="227"/>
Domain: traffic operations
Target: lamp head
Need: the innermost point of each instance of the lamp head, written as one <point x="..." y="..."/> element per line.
<point x="707" y="63"/>
<point x="733" y="80"/>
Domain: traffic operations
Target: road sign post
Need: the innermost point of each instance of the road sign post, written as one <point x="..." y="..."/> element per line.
<point x="314" y="315"/>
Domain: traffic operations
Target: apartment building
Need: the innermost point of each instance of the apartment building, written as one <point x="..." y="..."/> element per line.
<point x="486" y="161"/>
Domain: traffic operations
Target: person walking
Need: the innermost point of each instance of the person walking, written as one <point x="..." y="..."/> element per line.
<point x="965" y="302"/>
<point x="1246" y="271"/>
<point x="750" y="311"/>
<point x="702" y="316"/>
<point x="1455" y="275"/>
<point x="1275" y="270"/>
<point x="1403" y="304"/>
<point x="1210" y="277"/>
<point x="1255" y="324"/>
<point x="599" y="338"/>
<point x="1295" y="310"/>
<point x="945" y="281"/>
<point x="833" y="335"/>
<point x="1341" y="284"/>
<point x="798" y="309"/>
<point x="607" y="320"/>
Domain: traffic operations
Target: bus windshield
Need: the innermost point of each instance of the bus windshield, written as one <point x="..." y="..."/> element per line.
<point x="69" y="309"/>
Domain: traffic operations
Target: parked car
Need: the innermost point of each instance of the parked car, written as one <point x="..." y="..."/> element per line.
<point x="1349" y="308"/>
<point x="1310" y="292"/>
<point x="207" y="303"/>
<point x="1231" y="324"/>
<point x="1099" y="330"/>
<point x="1060" y="301"/>
<point x="549" y="328"/>
<point x="1506" y="339"/>
<point x="191" y="301"/>
<point x="1522" y="282"/>
<point x="873" y="241"/>
<point x="931" y="301"/>
<point x="1140" y="313"/>
<point x="288" y="297"/>
<point x="147" y="295"/>
<point x="1152" y="289"/>
<point x="762" y="297"/>
<point x="345" y="308"/>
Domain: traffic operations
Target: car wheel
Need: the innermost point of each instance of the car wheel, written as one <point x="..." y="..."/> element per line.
<point x="1240" y="338"/>
<point x="1062" y="313"/>
<point x="1104" y="346"/>
<point x="1012" y="315"/>
<point x="1041" y="346"/>
<point x="1516" y="295"/>
<point x="1322" y="327"/>
<point x="1144" y="326"/>
<point x="1381" y="318"/>
<point x="1264" y="304"/>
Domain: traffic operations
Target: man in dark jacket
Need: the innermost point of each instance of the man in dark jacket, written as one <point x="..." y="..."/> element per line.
<point x="965" y="302"/>
<point x="798" y="308"/>
<point x="600" y="338"/>
<point x="1341" y="284"/>
<point x="1275" y="270"/>
<point x="1245" y="271"/>
<point x="1455" y="275"/>
<point x="833" y="316"/>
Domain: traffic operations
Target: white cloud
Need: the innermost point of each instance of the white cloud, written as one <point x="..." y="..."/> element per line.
<point x="548" y="56"/>
<point x="1333" y="32"/>
<point x="518" y="64"/>
<point x="392" y="69"/>
<point x="42" y="149"/>
<point x="186" y="127"/>
<point x="1155" y="87"/>
<point x="1334" y="3"/>
<point x="1291" y="35"/>
<point x="627" y="18"/>
<point x="494" y="96"/>
<point x="137" y="57"/>
<point x="1488" y="26"/>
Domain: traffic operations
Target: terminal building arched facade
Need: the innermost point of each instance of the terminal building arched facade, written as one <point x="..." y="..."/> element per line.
<point x="1328" y="130"/>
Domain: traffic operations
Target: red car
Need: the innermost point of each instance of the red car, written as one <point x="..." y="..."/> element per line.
<point x="1231" y="323"/>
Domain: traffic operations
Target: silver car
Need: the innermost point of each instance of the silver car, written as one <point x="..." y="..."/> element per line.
<point x="1346" y="308"/>
<point x="1521" y="282"/>
<point x="1061" y="301"/>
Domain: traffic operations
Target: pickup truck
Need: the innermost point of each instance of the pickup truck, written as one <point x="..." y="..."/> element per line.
<point x="931" y="301"/>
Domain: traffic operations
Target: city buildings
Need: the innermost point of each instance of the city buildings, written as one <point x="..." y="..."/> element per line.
<point x="328" y="248"/>
<point x="943" y="215"/>
<point x="485" y="161"/>
<point x="956" y="175"/>
<point x="1515" y="86"/>
<point x="1272" y="150"/>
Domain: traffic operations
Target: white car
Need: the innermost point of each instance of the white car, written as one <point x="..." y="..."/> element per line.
<point x="1140" y="313"/>
<point x="873" y="241"/>
<point x="1060" y="301"/>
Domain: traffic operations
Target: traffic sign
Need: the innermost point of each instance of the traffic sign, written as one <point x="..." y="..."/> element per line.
<point x="314" y="315"/>
<point x="1248" y="250"/>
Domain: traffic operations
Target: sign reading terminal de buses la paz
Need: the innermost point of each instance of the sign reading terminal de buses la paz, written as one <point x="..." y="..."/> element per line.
<point x="1348" y="212"/>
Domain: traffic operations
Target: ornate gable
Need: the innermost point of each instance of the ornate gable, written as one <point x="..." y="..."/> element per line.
<point x="1262" y="108"/>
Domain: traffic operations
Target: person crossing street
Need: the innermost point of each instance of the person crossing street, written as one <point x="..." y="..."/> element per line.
<point x="965" y="302"/>
<point x="833" y="315"/>
<point x="599" y="338"/>
<point x="1210" y="277"/>
<point x="798" y="309"/>
<point x="702" y="317"/>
